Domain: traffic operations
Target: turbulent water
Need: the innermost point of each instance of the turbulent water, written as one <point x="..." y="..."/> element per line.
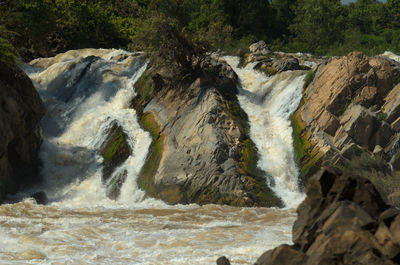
<point x="269" y="102"/>
<point x="85" y="92"/>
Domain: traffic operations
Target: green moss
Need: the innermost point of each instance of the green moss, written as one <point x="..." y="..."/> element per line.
<point x="381" y="116"/>
<point x="149" y="169"/>
<point x="309" y="78"/>
<point x="112" y="148"/>
<point x="238" y="114"/>
<point x="255" y="177"/>
<point x="306" y="154"/>
<point x="145" y="86"/>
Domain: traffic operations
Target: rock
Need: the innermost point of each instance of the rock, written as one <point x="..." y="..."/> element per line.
<point x="359" y="124"/>
<point x="392" y="104"/>
<point x="286" y="63"/>
<point x="223" y="261"/>
<point x="351" y="101"/>
<point x="114" y="150"/>
<point x="366" y="96"/>
<point x="259" y="48"/>
<point x="383" y="135"/>
<point x="40" y="197"/>
<point x="329" y="123"/>
<point x="396" y="161"/>
<point x="201" y="151"/>
<point x="283" y="254"/>
<point x="21" y="110"/>
<point x="343" y="220"/>
<point x="396" y="125"/>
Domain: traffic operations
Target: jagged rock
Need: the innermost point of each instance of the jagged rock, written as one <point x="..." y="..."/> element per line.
<point x="343" y="220"/>
<point x="114" y="150"/>
<point x="40" y="197"/>
<point x="359" y="124"/>
<point x="383" y="135"/>
<point x="21" y="110"/>
<point x="286" y="63"/>
<point x="396" y="125"/>
<point x="366" y="96"/>
<point x="392" y="104"/>
<point x="283" y="254"/>
<point x="350" y="101"/>
<point x="223" y="261"/>
<point x="259" y="48"/>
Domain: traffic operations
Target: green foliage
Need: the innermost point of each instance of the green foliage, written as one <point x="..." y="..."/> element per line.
<point x="181" y="30"/>
<point x="381" y="116"/>
<point x="309" y="78"/>
<point x="7" y="52"/>
<point x="317" y="23"/>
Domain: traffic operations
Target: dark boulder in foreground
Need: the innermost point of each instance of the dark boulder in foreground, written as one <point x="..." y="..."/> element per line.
<point x="343" y="220"/>
<point x="21" y="110"/>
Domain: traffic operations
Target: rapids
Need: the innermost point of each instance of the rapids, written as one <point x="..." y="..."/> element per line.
<point x="85" y="91"/>
<point x="269" y="102"/>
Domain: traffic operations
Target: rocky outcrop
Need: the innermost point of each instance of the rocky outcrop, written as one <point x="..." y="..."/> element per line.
<point x="349" y="116"/>
<point x="272" y="63"/>
<point x="21" y="110"/>
<point x="343" y="221"/>
<point x="201" y="151"/>
<point x="115" y="150"/>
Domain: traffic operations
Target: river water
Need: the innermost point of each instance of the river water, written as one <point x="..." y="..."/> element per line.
<point x="85" y="92"/>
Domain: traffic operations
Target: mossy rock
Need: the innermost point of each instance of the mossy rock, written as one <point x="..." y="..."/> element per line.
<point x="256" y="181"/>
<point x="115" y="150"/>
<point x="149" y="169"/>
<point x="114" y="185"/>
<point x="307" y="155"/>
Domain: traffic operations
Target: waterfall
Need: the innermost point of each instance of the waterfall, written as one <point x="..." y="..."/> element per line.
<point x="84" y="95"/>
<point x="86" y="92"/>
<point x="269" y="102"/>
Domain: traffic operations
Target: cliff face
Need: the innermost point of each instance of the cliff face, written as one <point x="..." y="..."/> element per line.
<point x="349" y="116"/>
<point x="21" y="110"/>
<point x="201" y="151"/>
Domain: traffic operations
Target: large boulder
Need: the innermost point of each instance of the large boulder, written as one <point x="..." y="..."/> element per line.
<point x="343" y="221"/>
<point x="201" y="151"/>
<point x="21" y="110"/>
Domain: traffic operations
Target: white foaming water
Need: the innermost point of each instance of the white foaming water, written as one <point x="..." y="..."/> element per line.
<point x="269" y="102"/>
<point x="85" y="91"/>
<point x="84" y="96"/>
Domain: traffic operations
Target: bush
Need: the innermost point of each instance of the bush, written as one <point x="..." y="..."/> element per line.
<point x="7" y="51"/>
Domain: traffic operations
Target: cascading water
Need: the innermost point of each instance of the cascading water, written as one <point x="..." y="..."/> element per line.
<point x="86" y="91"/>
<point x="269" y="102"/>
<point x="84" y="96"/>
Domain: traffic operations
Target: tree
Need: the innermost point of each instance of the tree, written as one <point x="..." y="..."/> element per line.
<point x="317" y="23"/>
<point x="169" y="44"/>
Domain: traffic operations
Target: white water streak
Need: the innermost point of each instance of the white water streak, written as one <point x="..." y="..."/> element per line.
<point x="84" y="96"/>
<point x="269" y="102"/>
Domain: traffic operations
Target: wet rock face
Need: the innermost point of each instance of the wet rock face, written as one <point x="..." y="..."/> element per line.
<point x="21" y="110"/>
<point x="343" y="220"/>
<point x="353" y="103"/>
<point x="115" y="150"/>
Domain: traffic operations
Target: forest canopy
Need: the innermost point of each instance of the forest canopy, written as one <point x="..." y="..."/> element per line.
<point x="33" y="28"/>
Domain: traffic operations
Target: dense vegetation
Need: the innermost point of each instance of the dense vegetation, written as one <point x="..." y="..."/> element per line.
<point x="178" y="29"/>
